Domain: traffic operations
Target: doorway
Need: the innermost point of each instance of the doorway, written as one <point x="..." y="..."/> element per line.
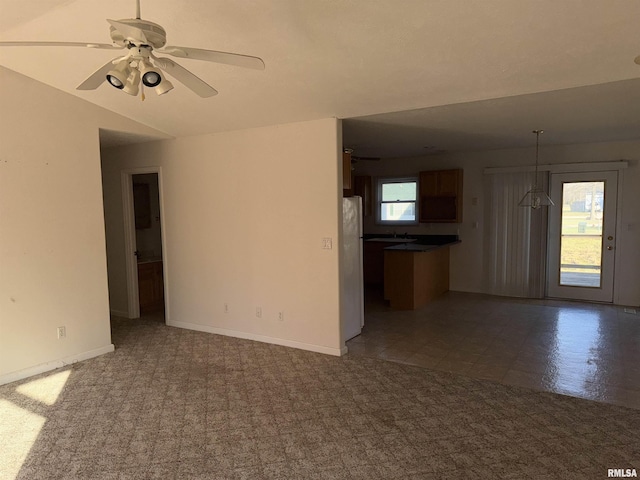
<point x="144" y="243"/>
<point x="582" y="236"/>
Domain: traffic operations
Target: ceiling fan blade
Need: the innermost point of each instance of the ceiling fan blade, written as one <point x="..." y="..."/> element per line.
<point x="129" y="32"/>
<point x="105" y="46"/>
<point x="186" y="77"/>
<point x="235" y="59"/>
<point x="96" y="78"/>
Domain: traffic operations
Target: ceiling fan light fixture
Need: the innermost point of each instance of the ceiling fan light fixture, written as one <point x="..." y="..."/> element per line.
<point x="164" y="87"/>
<point x="151" y="76"/>
<point x="132" y="86"/>
<point x="118" y="76"/>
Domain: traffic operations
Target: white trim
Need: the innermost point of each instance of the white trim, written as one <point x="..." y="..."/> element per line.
<point x="48" y="366"/>
<point x="119" y="313"/>
<point x="562" y="167"/>
<point x="259" y="338"/>
<point x="133" y="302"/>
<point x="617" y="267"/>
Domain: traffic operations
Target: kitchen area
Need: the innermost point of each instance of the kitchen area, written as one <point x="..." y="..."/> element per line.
<point x="408" y="269"/>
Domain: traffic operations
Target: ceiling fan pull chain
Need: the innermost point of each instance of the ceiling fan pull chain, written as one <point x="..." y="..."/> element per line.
<point x="141" y="92"/>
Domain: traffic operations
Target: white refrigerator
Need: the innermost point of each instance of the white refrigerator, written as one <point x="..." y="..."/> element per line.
<point x="352" y="293"/>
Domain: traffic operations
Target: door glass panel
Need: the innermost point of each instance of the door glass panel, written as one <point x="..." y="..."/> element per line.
<point x="581" y="239"/>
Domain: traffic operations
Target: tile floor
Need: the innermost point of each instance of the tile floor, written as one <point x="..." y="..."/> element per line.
<point x="578" y="349"/>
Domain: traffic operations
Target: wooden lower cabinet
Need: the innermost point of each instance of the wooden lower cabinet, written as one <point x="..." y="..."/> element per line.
<point x="373" y="261"/>
<point x="150" y="287"/>
<point x="413" y="279"/>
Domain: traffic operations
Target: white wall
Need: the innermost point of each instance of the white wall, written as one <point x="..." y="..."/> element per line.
<point x="466" y="258"/>
<point x="244" y="214"/>
<point x="52" y="248"/>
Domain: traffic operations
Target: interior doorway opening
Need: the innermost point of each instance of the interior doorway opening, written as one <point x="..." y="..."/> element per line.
<point x="148" y="244"/>
<point x="144" y="243"/>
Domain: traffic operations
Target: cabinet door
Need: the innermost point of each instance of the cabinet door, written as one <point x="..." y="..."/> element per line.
<point x="363" y="187"/>
<point x="441" y="196"/>
<point x="346" y="172"/>
<point x="428" y="184"/>
<point x="448" y="182"/>
<point x="158" y="293"/>
<point x="146" y="285"/>
<point x="150" y="287"/>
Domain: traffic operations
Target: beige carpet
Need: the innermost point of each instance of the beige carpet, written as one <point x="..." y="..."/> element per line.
<point x="172" y="403"/>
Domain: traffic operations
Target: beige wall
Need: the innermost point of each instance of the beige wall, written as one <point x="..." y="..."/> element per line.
<point x="244" y="215"/>
<point x="466" y="258"/>
<point x="52" y="248"/>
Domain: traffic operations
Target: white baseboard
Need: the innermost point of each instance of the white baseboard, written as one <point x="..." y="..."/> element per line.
<point x="260" y="338"/>
<point x="120" y="313"/>
<point x="45" y="367"/>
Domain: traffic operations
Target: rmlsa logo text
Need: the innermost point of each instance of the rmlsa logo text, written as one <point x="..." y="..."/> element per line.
<point x="622" y="472"/>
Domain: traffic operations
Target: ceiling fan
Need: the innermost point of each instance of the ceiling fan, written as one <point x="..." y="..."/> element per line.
<point x="139" y="67"/>
<point x="355" y="158"/>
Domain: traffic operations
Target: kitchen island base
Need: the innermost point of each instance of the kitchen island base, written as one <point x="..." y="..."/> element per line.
<point x="414" y="278"/>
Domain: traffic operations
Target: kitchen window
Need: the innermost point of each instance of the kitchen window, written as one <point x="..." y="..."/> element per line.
<point x="397" y="198"/>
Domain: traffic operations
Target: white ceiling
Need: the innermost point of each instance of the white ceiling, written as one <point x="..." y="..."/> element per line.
<point x="359" y="58"/>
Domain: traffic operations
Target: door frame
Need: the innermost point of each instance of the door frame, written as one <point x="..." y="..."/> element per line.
<point x="554" y="231"/>
<point x="131" y="262"/>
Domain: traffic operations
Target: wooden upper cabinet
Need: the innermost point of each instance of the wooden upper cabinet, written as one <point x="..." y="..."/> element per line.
<point x="347" y="185"/>
<point x="441" y="196"/>
<point x="449" y="182"/>
<point x="363" y="187"/>
<point x="429" y="183"/>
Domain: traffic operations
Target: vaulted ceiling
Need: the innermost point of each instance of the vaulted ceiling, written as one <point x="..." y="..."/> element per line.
<point x="448" y="65"/>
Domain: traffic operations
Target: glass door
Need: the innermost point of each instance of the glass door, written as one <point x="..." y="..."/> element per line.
<point x="582" y="236"/>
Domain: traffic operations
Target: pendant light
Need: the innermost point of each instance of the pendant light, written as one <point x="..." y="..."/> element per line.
<point x="536" y="197"/>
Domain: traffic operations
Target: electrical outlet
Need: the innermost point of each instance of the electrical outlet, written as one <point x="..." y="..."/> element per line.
<point x="62" y="332"/>
<point x="226" y="308"/>
<point x="259" y="312"/>
<point x="327" y="244"/>
<point x="281" y="316"/>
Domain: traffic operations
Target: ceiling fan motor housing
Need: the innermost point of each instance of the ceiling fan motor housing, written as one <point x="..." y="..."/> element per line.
<point x="154" y="33"/>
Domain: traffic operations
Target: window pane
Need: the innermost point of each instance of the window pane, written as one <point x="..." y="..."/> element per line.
<point x="399" y="212"/>
<point x="581" y="241"/>
<point x="392" y="192"/>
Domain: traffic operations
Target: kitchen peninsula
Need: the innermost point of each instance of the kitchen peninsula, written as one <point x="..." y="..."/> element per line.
<point x="417" y="271"/>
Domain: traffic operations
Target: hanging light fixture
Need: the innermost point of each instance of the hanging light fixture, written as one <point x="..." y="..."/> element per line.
<point x="536" y="197"/>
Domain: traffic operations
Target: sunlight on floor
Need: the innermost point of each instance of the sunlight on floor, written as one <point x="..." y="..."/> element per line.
<point x="22" y="428"/>
<point x="47" y="389"/>
<point x="19" y="428"/>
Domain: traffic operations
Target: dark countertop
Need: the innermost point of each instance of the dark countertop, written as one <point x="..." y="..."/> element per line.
<point x="149" y="260"/>
<point x="415" y="243"/>
<point x="420" y="247"/>
<point x="415" y="239"/>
